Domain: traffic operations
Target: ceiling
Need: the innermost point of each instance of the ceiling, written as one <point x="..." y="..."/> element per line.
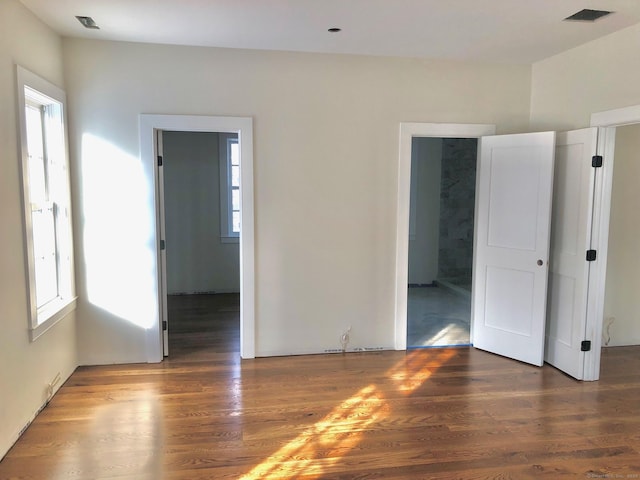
<point x="503" y="31"/>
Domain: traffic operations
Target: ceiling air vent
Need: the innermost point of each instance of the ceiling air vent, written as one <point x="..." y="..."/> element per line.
<point x="88" y="22"/>
<point x="588" y="15"/>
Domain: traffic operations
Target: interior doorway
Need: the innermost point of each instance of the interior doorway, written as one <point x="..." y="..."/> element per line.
<point x="621" y="306"/>
<point x="201" y="205"/>
<point x="441" y="219"/>
<point x="409" y="132"/>
<point x="514" y="185"/>
<point x="608" y="123"/>
<point x="151" y="153"/>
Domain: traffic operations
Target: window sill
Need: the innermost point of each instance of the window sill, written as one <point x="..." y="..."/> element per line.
<point x="49" y="317"/>
<point x="224" y="239"/>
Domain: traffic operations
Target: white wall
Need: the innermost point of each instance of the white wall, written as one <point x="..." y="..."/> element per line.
<point x="623" y="263"/>
<point x="25" y="367"/>
<point x="326" y="157"/>
<point x="197" y="259"/>
<point x="600" y="75"/>
<point x="426" y="162"/>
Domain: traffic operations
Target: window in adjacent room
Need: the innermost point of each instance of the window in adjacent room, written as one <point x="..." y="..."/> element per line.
<point x="229" y="187"/>
<point x="46" y="197"/>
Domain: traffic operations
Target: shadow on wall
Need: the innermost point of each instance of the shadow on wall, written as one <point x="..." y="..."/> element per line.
<point x="118" y="266"/>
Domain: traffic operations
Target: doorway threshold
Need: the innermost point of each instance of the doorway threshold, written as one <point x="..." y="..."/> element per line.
<point x="455" y="345"/>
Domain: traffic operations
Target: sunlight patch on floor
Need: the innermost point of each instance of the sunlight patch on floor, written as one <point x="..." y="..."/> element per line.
<point x="329" y="440"/>
<point x="414" y="371"/>
<point x="119" y="417"/>
<point x="449" y="335"/>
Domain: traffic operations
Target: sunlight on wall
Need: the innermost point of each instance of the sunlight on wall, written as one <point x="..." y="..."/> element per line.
<point x="117" y="214"/>
<point x="326" y="442"/>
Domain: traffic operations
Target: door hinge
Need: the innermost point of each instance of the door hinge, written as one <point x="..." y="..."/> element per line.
<point x="159" y="160"/>
<point x="165" y="326"/>
<point x="596" y="161"/>
<point x="585" y="346"/>
<point x="162" y="245"/>
<point x="591" y="255"/>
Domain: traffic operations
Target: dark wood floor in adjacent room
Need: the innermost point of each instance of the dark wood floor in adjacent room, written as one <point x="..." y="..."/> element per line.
<point x="431" y="413"/>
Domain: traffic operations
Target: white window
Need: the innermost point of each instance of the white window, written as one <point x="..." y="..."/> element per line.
<point x="47" y="209"/>
<point x="229" y="187"/>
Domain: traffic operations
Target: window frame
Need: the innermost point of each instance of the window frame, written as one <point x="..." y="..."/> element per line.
<point x="227" y="235"/>
<point x="33" y="90"/>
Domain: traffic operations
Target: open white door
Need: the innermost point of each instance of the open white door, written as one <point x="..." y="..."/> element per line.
<point x="513" y="217"/>
<point x="572" y="217"/>
<point x="164" y="313"/>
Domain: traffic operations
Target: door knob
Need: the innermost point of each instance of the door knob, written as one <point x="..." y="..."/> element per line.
<point x="540" y="263"/>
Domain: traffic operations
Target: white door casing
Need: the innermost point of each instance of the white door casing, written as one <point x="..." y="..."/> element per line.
<point x="606" y="121"/>
<point x="243" y="126"/>
<point x="572" y="216"/>
<point x="408" y="131"/>
<point x="511" y="248"/>
<point x="164" y="312"/>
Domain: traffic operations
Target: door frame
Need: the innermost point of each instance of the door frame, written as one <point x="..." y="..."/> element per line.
<point x="243" y="126"/>
<point x="409" y="130"/>
<point x="606" y="121"/>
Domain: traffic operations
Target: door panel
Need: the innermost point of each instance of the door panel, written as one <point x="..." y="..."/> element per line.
<point x="570" y="239"/>
<point x="513" y="189"/>
<point x="511" y="314"/>
<point x="513" y="216"/>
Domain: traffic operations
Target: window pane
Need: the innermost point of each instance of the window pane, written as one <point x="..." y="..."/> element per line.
<point x="235" y="199"/>
<point x="235" y="176"/>
<point x="46" y="282"/>
<point x="235" y="153"/>
<point x="236" y="222"/>
<point x="34" y="130"/>
<point x="35" y="152"/>
<point x="44" y="253"/>
<point x="55" y="152"/>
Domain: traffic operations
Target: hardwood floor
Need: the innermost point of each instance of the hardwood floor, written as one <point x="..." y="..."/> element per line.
<point x="430" y="413"/>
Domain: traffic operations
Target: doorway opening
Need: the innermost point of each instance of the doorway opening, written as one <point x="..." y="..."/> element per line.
<point x="441" y="219"/>
<point x="611" y="122"/>
<point x="409" y="132"/>
<point x="151" y="153"/>
<point x="621" y="307"/>
<point x="201" y="205"/>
